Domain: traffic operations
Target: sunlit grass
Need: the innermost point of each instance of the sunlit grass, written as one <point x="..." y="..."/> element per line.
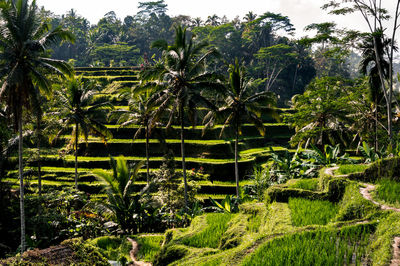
<point x="307" y="184"/>
<point x="307" y="212"/>
<point x="388" y="191"/>
<point x="346" y="169"/>
<point x="217" y="224"/>
<point x="321" y="247"/>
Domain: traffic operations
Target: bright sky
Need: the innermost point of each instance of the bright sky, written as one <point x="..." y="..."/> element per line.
<point x="300" y="12"/>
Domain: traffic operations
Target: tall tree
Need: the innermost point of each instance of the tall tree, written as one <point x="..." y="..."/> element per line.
<point x="140" y="112"/>
<point x="24" y="42"/>
<point x="376" y="18"/>
<point x="78" y="109"/>
<point x="241" y="105"/>
<point x="178" y="80"/>
<point x="250" y="16"/>
<point x="369" y="67"/>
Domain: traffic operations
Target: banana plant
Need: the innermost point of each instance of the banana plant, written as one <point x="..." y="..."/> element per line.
<point x="227" y="205"/>
<point x="369" y="153"/>
<point x="329" y="156"/>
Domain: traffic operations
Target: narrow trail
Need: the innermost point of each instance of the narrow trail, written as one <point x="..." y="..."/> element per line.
<point x="396" y="252"/>
<point x="133" y="252"/>
<point x="366" y="193"/>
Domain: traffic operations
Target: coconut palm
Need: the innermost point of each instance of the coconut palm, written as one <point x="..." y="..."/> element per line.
<point x="241" y="105"/>
<point x="369" y="67"/>
<point x="119" y="189"/>
<point x="140" y="113"/>
<point x="78" y="109"/>
<point x="178" y="81"/>
<point x="250" y="16"/>
<point x="24" y="42"/>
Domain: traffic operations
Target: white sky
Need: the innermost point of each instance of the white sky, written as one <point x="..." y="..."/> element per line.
<point x="300" y="12"/>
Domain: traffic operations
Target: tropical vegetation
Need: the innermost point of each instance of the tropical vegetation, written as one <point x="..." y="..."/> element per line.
<point x="260" y="147"/>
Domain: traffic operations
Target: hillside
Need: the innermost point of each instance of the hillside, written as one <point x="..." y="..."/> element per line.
<point x="209" y="158"/>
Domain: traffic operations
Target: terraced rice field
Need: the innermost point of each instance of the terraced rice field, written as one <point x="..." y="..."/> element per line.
<point x="206" y="152"/>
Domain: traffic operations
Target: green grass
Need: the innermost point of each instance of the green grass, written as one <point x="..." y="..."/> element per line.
<point x="189" y="141"/>
<point x="114" y="247"/>
<point x="353" y="205"/>
<point x="346" y="169"/>
<point x="149" y="245"/>
<point x="199" y="126"/>
<point x="217" y="224"/>
<point x="307" y="212"/>
<point x="320" y="247"/>
<point x="307" y="184"/>
<point x="388" y="191"/>
<point x="381" y="244"/>
<point x="139" y="158"/>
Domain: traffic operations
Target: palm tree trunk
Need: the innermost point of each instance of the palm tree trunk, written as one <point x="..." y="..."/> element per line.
<point x="38" y="160"/>
<point x="183" y="155"/>
<point x="376" y="124"/>
<point x="76" y="155"/>
<point x="236" y="157"/>
<point x="21" y="185"/>
<point x="147" y="154"/>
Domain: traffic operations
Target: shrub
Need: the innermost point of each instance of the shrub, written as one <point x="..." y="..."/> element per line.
<point x="84" y="252"/>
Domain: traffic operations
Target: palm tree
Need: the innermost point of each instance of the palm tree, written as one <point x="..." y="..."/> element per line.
<point x="24" y="42"/>
<point x="241" y="104"/>
<point x="119" y="189"/>
<point x="213" y="20"/>
<point x="250" y="16"/>
<point x="197" y="22"/>
<point x="140" y="113"/>
<point x="78" y="109"/>
<point x="178" y="80"/>
<point x="369" y="67"/>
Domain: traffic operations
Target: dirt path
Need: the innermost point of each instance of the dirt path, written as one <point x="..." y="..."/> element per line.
<point x="396" y="252"/>
<point x="133" y="252"/>
<point x="365" y="192"/>
<point x="329" y="171"/>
